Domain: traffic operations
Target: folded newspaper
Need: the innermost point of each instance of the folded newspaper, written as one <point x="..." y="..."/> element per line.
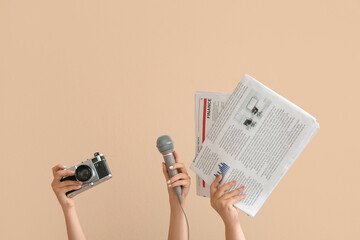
<point x="252" y="135"/>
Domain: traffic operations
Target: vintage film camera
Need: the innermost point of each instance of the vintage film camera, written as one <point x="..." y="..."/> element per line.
<point x="90" y="173"/>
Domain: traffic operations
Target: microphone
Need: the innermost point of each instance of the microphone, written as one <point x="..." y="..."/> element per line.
<point x="165" y="146"/>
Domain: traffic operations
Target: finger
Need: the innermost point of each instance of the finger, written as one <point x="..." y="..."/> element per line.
<point x="165" y="172"/>
<point x="62" y="173"/>
<point x="176" y="156"/>
<point x="57" y="185"/>
<point x="233" y="193"/>
<point x="215" y="184"/>
<point x="179" y="176"/>
<point x="57" y="168"/>
<point x="70" y="188"/>
<point x="69" y="183"/>
<point x="236" y="199"/>
<point x="221" y="190"/>
<point x="179" y="166"/>
<point x="184" y="183"/>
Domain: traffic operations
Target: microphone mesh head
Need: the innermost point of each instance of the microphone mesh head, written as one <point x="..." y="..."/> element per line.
<point x="165" y="144"/>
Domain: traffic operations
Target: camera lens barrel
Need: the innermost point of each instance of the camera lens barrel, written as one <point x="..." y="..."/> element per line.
<point x="83" y="173"/>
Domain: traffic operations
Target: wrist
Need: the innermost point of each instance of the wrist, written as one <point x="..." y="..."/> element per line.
<point x="174" y="200"/>
<point x="231" y="224"/>
<point x="175" y="204"/>
<point x="68" y="208"/>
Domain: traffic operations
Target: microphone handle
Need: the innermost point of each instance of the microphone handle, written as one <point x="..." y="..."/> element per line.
<point x="169" y="161"/>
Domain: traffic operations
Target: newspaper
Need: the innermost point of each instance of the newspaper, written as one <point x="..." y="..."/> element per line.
<point x="208" y="106"/>
<point x="255" y="139"/>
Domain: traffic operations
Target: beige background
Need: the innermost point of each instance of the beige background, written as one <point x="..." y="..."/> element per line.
<point x="111" y="76"/>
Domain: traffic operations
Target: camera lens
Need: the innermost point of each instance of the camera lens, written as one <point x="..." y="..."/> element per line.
<point x="83" y="173"/>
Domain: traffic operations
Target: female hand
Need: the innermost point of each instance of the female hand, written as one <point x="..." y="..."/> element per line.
<point x="60" y="188"/>
<point x="181" y="179"/>
<point x="223" y="202"/>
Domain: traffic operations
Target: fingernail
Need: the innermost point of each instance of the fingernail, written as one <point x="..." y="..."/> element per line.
<point x="169" y="185"/>
<point x="168" y="182"/>
<point x="72" y="171"/>
<point x="79" y="186"/>
<point x="171" y="167"/>
<point x="63" y="166"/>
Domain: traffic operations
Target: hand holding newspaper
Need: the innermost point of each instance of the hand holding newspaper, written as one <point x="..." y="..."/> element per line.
<point x="254" y="138"/>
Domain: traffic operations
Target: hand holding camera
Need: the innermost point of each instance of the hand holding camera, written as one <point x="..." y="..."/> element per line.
<point x="60" y="188"/>
<point x="91" y="173"/>
<point x="67" y="183"/>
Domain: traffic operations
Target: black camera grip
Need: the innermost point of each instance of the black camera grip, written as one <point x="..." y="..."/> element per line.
<point x="71" y="178"/>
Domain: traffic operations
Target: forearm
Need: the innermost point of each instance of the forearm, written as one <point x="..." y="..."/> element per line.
<point x="178" y="227"/>
<point x="73" y="227"/>
<point x="233" y="231"/>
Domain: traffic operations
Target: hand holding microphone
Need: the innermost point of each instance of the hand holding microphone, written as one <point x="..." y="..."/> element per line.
<point x="175" y="173"/>
<point x="178" y="182"/>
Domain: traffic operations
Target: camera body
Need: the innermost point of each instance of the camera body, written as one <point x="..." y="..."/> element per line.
<point x="91" y="172"/>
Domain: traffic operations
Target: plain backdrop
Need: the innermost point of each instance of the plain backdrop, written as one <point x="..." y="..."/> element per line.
<point x="82" y="76"/>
